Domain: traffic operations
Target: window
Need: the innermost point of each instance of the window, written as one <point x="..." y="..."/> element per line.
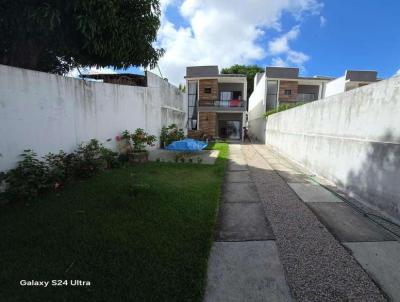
<point x="192" y="105"/>
<point x="288" y="92"/>
<point x="207" y="90"/>
<point x="272" y="94"/>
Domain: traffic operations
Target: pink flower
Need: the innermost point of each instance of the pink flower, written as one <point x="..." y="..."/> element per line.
<point x="118" y="138"/>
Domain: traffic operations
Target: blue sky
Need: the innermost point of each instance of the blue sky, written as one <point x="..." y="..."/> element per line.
<point x="321" y="37"/>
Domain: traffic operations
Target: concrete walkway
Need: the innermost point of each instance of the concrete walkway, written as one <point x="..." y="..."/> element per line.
<point x="244" y="264"/>
<point x="329" y="251"/>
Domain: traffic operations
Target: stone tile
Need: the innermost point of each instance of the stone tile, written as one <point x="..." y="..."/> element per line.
<point x="237" y="176"/>
<point x="347" y="224"/>
<point x="246" y="271"/>
<point x="313" y="193"/>
<point x="242" y="222"/>
<point x="237" y="167"/>
<point x="240" y="192"/>
<point x="382" y="261"/>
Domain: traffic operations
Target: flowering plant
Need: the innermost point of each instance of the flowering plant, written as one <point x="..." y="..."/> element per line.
<point x="137" y="141"/>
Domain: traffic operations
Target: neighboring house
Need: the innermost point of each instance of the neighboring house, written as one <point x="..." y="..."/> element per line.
<point x="283" y="85"/>
<point x="216" y="103"/>
<point x="118" y="78"/>
<point x="352" y="79"/>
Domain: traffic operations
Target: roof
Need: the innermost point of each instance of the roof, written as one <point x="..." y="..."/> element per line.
<point x="202" y="71"/>
<point x="361" y="75"/>
<point x="282" y="72"/>
<point x="118" y="78"/>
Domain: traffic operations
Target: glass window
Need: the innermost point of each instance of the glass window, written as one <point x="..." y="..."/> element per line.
<point x="192" y="105"/>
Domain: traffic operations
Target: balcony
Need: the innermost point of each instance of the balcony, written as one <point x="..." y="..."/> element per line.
<point x="306" y="97"/>
<point x="222" y="105"/>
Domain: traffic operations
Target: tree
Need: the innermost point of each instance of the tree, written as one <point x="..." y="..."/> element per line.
<point x="55" y="36"/>
<point x="248" y="70"/>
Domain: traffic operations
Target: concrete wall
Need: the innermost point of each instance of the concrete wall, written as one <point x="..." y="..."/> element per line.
<point x="257" y="103"/>
<point x="352" y="139"/>
<point x="336" y="86"/>
<point x="46" y="112"/>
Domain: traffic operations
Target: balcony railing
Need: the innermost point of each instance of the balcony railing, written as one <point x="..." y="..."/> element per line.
<point x="223" y="104"/>
<point x="306" y="97"/>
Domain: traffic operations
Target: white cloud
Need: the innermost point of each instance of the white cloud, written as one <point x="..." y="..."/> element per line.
<point x="322" y="21"/>
<point x="280" y="47"/>
<point x="397" y="72"/>
<point x="226" y="32"/>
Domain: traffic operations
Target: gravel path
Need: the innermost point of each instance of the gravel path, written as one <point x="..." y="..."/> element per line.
<point x="318" y="267"/>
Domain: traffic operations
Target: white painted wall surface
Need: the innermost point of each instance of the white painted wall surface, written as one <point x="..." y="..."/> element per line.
<point x="47" y="113"/>
<point x="257" y="103"/>
<point x="352" y="139"/>
<point x="336" y="86"/>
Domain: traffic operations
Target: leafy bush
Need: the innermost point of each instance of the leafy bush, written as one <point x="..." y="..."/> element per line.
<point x="282" y="107"/>
<point x="135" y="142"/>
<point x="170" y="134"/>
<point x="33" y="176"/>
<point x="87" y="159"/>
<point x="28" y="179"/>
<point x="59" y="167"/>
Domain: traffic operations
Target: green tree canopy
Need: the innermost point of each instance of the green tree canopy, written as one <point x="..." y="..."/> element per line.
<point x="248" y="70"/>
<point x="55" y="36"/>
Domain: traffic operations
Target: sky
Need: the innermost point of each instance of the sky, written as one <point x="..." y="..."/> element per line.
<point x="321" y="37"/>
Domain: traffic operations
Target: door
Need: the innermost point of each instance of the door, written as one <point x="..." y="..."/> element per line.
<point x="230" y="129"/>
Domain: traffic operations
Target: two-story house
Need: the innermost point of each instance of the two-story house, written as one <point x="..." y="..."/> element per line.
<point x="216" y="103"/>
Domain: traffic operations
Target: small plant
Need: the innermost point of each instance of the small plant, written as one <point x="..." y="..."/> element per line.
<point x="190" y="160"/>
<point x="87" y="159"/>
<point x="59" y="168"/>
<point x="135" y="142"/>
<point x="140" y="139"/>
<point x="170" y="134"/>
<point x="28" y="179"/>
<point x="109" y="157"/>
<point x="199" y="160"/>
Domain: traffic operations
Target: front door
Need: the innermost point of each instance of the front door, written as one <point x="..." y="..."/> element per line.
<point x="229" y="129"/>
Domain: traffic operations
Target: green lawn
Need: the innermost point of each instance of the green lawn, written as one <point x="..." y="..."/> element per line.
<point x="133" y="243"/>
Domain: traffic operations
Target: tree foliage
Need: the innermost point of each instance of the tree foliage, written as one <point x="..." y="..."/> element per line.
<point x="55" y="36"/>
<point x="248" y="70"/>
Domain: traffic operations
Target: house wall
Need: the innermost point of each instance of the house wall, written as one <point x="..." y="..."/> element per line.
<point x="208" y="123"/>
<point x="352" y="139"/>
<point x="288" y="85"/>
<point x="206" y="98"/>
<point x="257" y="103"/>
<point x="336" y="86"/>
<point x="47" y="113"/>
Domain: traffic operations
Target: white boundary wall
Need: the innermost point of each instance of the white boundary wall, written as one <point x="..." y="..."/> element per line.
<point x="352" y="139"/>
<point x="47" y="113"/>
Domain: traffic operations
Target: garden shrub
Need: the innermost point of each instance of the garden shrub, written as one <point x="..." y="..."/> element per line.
<point x="28" y="179"/>
<point x="170" y="134"/>
<point x="134" y="142"/>
<point x="33" y="176"/>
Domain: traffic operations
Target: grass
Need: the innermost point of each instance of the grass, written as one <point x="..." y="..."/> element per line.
<point x="138" y="233"/>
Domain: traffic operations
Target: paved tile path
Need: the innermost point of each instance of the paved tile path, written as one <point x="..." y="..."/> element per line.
<point x="244" y="264"/>
<point x="317" y="233"/>
<point x="278" y="230"/>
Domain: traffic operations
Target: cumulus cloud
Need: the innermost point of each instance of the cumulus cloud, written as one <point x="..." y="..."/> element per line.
<point x="397" y="72"/>
<point x="283" y="54"/>
<point x="226" y="32"/>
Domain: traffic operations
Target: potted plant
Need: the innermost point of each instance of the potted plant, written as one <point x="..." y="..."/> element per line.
<point x="133" y="145"/>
